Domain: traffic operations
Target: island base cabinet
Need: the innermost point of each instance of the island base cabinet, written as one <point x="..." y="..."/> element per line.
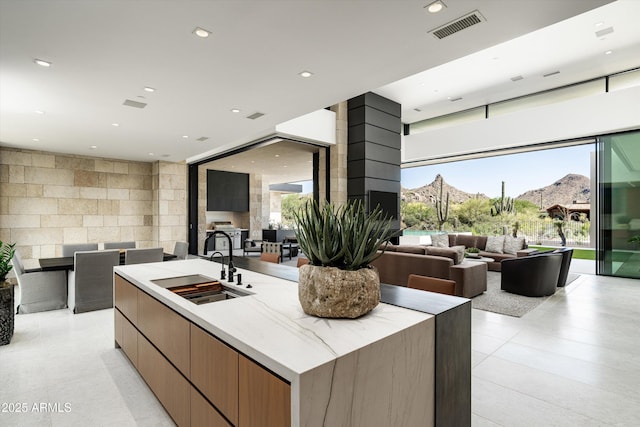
<point x="126" y="336"/>
<point x="265" y="400"/>
<point x="214" y="371"/>
<point x="203" y="414"/>
<point x="169" y="386"/>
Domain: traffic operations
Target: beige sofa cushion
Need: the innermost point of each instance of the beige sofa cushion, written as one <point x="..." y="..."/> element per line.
<point x="513" y="244"/>
<point x="495" y="244"/>
<point x="440" y="240"/>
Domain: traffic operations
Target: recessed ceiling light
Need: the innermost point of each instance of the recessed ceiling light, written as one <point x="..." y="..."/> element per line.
<point x="35" y="140"/>
<point x="305" y="74"/>
<point x="185" y="136"/>
<point x="609" y="52"/>
<point x="599" y="24"/>
<point x="284" y="166"/>
<point x="115" y="124"/>
<point x="93" y="147"/>
<point x="39" y="112"/>
<point x="149" y="89"/>
<point x="42" y="63"/>
<point x="277" y="155"/>
<point x="435" y="7"/>
<point x="201" y="32"/>
<point x="151" y="154"/>
<point x="235" y="110"/>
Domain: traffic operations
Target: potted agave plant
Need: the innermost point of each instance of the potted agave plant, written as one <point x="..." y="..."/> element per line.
<point x="338" y="281"/>
<point x="6" y="293"/>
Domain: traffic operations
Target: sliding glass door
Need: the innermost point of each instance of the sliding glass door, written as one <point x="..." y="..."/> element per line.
<point x="619" y="205"/>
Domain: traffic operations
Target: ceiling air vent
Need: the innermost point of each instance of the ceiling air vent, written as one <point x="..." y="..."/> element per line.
<point x="553" y="73"/>
<point x="459" y="24"/>
<point x="604" y="32"/>
<point x="202" y="138"/>
<point x="255" y="116"/>
<point x="516" y="78"/>
<point x="134" y="104"/>
<point x="455" y="99"/>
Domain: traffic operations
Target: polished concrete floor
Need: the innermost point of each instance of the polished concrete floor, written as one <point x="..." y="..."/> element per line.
<point x="572" y="361"/>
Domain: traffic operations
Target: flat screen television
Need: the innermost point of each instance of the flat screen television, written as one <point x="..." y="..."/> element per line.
<point x="227" y="191"/>
<point x="388" y="202"/>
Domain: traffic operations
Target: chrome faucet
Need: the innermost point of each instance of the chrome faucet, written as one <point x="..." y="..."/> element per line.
<point x="232" y="268"/>
<point x="222" y="273"/>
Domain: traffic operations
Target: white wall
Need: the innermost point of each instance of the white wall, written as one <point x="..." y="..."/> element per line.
<point x="589" y="116"/>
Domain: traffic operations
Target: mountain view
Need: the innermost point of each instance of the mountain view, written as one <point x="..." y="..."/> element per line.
<point x="572" y="188"/>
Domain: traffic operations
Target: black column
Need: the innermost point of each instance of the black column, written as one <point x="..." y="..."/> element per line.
<point x="373" y="159"/>
<point x="193" y="209"/>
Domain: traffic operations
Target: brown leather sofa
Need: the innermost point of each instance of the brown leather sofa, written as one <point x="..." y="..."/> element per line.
<point x="480" y="242"/>
<point x="398" y="262"/>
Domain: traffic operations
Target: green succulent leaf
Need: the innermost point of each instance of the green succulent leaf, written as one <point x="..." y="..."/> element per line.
<point x="346" y="237"/>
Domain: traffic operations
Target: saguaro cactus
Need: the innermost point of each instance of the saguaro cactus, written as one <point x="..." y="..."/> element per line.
<point x="442" y="209"/>
<point x="504" y="205"/>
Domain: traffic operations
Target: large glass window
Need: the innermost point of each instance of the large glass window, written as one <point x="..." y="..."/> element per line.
<point x="619" y="188"/>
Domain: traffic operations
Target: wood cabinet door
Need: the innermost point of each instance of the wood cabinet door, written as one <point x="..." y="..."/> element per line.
<point x="214" y="371"/>
<point x="166" y="329"/>
<point x="264" y="399"/>
<point x="127" y="337"/>
<point x="126" y="298"/>
<point x="169" y="386"/>
<point x="203" y="414"/>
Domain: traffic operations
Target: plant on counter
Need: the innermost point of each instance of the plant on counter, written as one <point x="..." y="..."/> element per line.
<point x="340" y="244"/>
<point x="6" y="255"/>
<point x="346" y="237"/>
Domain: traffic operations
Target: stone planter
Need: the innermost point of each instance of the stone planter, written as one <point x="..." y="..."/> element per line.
<point x="335" y="293"/>
<point x="6" y="312"/>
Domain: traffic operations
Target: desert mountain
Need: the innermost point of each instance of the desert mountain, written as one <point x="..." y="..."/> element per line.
<point x="572" y="188"/>
<point x="428" y="193"/>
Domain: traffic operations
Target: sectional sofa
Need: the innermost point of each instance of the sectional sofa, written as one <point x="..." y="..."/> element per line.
<point x="397" y="262"/>
<point x="496" y="247"/>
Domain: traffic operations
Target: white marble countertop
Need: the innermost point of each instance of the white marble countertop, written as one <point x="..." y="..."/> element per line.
<point x="270" y="326"/>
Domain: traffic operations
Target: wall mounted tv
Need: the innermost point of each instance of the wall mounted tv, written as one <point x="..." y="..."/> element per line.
<point x="227" y="191"/>
<point x="388" y="202"/>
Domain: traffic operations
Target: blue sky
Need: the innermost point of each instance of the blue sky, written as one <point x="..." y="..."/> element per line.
<point x="520" y="172"/>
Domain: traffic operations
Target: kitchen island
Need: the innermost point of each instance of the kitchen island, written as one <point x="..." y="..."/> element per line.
<point x="259" y="360"/>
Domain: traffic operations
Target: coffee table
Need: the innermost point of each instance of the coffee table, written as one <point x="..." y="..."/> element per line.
<point x="479" y="259"/>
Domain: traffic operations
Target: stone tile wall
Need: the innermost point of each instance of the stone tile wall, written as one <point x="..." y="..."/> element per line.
<point x="49" y="199"/>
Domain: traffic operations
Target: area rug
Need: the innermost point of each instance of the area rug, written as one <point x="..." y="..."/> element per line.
<point x="496" y="300"/>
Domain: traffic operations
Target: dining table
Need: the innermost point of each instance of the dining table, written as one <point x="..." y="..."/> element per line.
<point x="66" y="262"/>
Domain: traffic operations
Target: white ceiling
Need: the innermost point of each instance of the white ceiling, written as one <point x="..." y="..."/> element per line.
<point x="104" y="52"/>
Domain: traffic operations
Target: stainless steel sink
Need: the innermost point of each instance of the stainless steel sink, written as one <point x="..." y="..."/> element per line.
<point x="200" y="289"/>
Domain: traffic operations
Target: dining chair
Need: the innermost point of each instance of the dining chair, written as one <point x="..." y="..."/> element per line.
<point x="70" y="249"/>
<point x="270" y="257"/>
<point x="181" y="250"/>
<point x="39" y="290"/>
<point x="90" y="284"/>
<point x="141" y="256"/>
<point x="431" y="284"/>
<point x="302" y="261"/>
<point x="119" y="245"/>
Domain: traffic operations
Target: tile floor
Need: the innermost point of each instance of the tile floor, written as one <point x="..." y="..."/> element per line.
<point x="573" y="361"/>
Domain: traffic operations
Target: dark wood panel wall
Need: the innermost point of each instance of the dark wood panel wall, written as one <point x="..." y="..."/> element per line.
<point x="373" y="159"/>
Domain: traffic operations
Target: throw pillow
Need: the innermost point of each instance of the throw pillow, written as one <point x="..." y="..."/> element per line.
<point x="440" y="240"/>
<point x="495" y="244"/>
<point x="513" y="244"/>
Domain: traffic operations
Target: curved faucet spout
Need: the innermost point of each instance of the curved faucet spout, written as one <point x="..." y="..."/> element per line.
<point x="231" y="267"/>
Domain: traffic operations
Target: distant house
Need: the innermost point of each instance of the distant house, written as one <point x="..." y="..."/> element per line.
<point x="574" y="210"/>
